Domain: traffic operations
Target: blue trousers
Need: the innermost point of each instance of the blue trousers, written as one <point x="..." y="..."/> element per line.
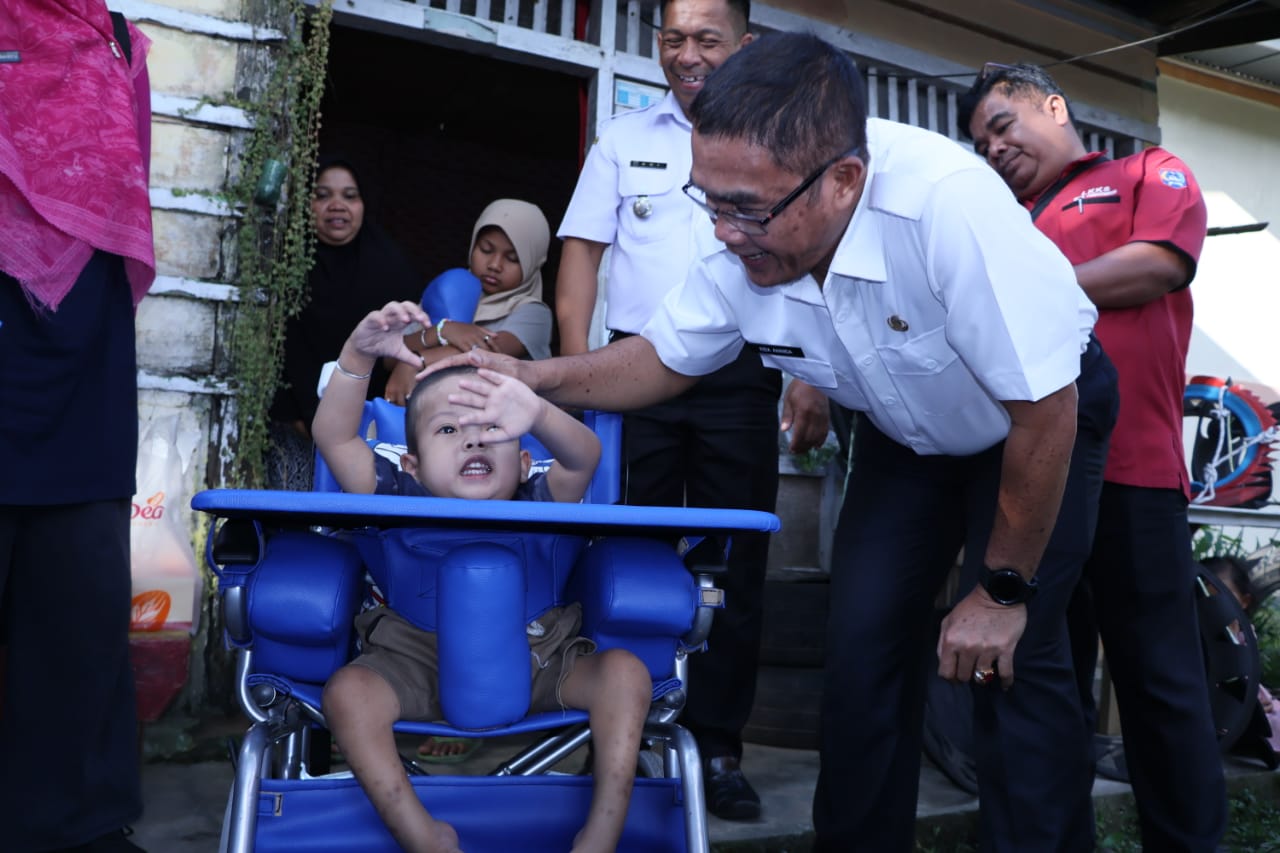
<point x="1139" y="587"/>
<point x="904" y="519"/>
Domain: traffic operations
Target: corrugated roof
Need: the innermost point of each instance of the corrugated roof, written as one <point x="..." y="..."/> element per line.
<point x="1238" y="37"/>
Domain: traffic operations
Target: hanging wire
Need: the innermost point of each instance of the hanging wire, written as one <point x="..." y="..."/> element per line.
<point x="1159" y="36"/>
<point x="1106" y="50"/>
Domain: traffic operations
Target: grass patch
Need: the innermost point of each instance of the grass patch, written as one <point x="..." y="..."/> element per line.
<point x="1254" y="824"/>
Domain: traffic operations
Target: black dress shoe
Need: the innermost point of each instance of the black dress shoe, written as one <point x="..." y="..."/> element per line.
<point x="729" y="794"/>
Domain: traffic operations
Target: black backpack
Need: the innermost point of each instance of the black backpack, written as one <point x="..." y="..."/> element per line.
<point x="122" y="35"/>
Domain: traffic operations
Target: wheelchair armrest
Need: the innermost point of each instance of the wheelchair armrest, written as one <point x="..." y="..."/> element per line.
<point x="710" y="599"/>
<point x="238" y="542"/>
<point x="232" y="552"/>
<point x="235" y="615"/>
<point x="294" y="607"/>
<point x="635" y="594"/>
<point x="705" y="555"/>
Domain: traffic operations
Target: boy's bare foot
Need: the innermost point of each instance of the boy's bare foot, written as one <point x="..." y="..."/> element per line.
<point x="443" y="839"/>
<point x="583" y="842"/>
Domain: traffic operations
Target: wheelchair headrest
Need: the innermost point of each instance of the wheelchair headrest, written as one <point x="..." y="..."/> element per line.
<point x="452" y="295"/>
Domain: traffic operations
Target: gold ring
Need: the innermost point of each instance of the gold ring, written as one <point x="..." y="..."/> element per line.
<point x="983" y="676"/>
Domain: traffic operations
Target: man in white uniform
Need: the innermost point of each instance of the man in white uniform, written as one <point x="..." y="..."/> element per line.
<point x="716" y="444"/>
<point x="893" y="270"/>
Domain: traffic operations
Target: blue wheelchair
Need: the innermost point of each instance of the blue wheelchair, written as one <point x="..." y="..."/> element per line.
<point x="291" y="570"/>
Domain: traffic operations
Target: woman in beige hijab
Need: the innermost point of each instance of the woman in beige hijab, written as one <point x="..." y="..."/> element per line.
<point x="508" y="248"/>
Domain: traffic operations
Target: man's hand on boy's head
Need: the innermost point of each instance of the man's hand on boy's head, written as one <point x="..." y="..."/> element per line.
<point x="503" y="401"/>
<point x="381" y="333"/>
<point x="468" y="336"/>
<point x="484" y="359"/>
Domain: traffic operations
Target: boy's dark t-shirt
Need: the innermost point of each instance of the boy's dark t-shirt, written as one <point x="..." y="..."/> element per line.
<point x="548" y="555"/>
<point x="392" y="481"/>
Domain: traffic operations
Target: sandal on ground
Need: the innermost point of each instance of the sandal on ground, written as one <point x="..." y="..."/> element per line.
<point x="426" y="751"/>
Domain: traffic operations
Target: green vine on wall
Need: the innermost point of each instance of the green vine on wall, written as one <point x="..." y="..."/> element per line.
<point x="274" y="239"/>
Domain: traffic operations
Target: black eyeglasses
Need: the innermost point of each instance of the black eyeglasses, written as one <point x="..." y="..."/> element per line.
<point x="754" y="225"/>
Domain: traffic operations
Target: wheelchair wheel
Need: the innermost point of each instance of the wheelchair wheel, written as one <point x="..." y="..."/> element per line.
<point x="224" y="840"/>
<point x="649" y="765"/>
<point x="1241" y="471"/>
<point x="787" y="707"/>
<point x="794" y="630"/>
<point x="1233" y="668"/>
<point x="948" y="731"/>
<point x="1232" y="662"/>
<point x="792" y="651"/>
<point x="1264" y="572"/>
<point x="948" y="723"/>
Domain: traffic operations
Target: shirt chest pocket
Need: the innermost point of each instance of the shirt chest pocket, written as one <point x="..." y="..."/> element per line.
<point x="927" y="372"/>
<point x="652" y="203"/>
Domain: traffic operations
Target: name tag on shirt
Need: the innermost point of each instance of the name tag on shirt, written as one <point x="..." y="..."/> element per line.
<point x="777" y="349"/>
<point x="647" y="164"/>
<point x="10" y="56"/>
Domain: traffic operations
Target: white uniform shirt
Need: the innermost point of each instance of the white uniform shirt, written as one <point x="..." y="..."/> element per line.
<point x="942" y="300"/>
<point x="628" y="196"/>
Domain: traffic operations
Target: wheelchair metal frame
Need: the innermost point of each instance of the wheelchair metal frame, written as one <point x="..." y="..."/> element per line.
<point x="277" y="742"/>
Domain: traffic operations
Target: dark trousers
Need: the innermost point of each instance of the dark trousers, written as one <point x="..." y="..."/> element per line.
<point x="1138" y="592"/>
<point x="904" y="519"/>
<point x="68" y="729"/>
<point x="716" y="445"/>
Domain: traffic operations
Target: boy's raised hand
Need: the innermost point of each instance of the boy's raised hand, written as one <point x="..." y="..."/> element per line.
<point x="381" y="332"/>
<point x="503" y="401"/>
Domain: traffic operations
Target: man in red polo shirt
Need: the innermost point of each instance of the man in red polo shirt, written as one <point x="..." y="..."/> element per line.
<point x="1133" y="228"/>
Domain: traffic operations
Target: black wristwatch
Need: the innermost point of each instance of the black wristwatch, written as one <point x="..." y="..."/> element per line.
<point x="1007" y="586"/>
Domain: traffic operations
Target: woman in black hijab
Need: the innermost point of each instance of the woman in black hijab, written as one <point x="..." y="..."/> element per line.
<point x="357" y="269"/>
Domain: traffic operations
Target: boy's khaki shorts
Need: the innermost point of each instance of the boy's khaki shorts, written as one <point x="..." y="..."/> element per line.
<point x="406" y="657"/>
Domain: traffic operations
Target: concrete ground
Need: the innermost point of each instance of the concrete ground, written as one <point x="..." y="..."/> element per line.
<point x="185" y="801"/>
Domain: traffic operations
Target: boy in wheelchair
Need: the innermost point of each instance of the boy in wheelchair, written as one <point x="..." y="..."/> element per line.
<point x="396" y="675"/>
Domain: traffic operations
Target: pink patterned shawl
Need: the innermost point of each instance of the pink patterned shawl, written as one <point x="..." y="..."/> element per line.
<point x="75" y="147"/>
